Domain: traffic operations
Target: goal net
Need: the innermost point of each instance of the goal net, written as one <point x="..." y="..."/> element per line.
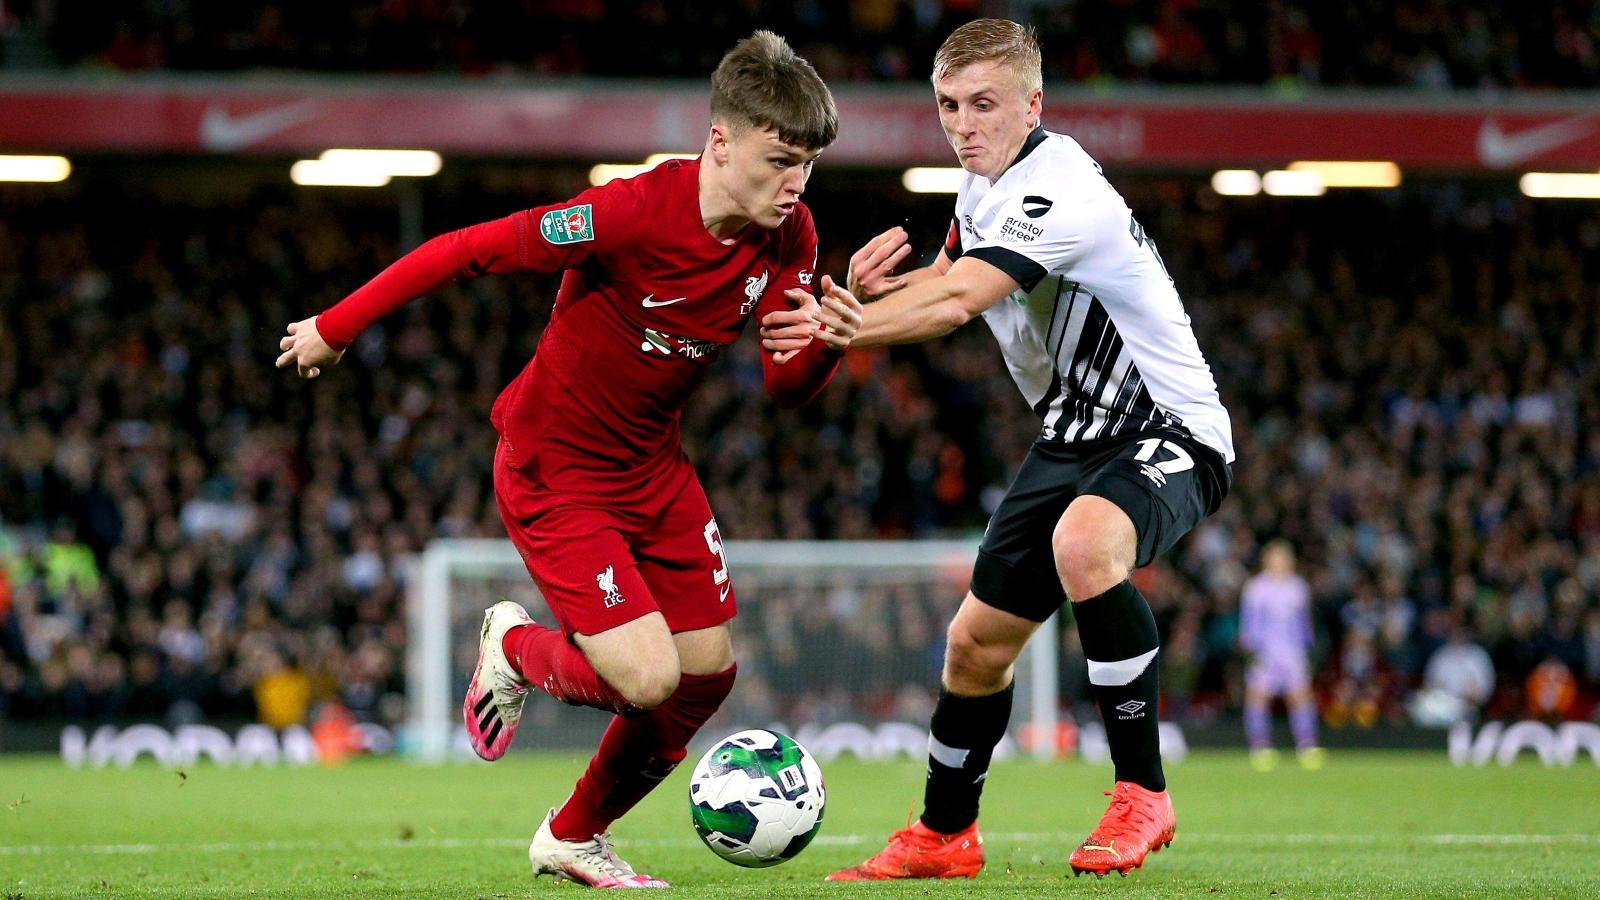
<point x="839" y="644"/>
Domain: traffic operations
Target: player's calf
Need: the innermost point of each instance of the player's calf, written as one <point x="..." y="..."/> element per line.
<point x="545" y="659"/>
<point x="637" y="753"/>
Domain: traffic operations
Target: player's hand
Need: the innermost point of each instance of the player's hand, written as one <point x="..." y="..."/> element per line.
<point x="872" y="267"/>
<point x="304" y="348"/>
<point x="787" y="331"/>
<point x="841" y="315"/>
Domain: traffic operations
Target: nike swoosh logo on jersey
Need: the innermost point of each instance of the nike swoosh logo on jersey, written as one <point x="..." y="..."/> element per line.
<point x="650" y="303"/>
<point x="1498" y="150"/>
<point x="223" y="132"/>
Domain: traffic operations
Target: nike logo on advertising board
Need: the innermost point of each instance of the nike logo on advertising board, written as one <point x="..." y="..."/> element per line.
<point x="1500" y="150"/>
<point x="223" y="132"/>
<point x="650" y="303"/>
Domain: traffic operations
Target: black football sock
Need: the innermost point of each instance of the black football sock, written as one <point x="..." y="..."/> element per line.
<point x="961" y="741"/>
<point x="1120" y="641"/>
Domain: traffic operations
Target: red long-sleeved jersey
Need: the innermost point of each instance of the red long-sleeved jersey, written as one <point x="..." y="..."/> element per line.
<point x="648" y="300"/>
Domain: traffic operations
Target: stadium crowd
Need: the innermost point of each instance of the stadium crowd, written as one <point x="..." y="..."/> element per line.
<point x="1426" y="44"/>
<point x="187" y="532"/>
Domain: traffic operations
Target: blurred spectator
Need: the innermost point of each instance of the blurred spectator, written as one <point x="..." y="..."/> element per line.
<point x="1552" y="691"/>
<point x="1458" y="682"/>
<point x="1591" y="646"/>
<point x="282" y="693"/>
<point x="336" y="734"/>
<point x="69" y="566"/>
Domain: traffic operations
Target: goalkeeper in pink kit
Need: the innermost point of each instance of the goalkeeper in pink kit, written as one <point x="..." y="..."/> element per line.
<point x="661" y="272"/>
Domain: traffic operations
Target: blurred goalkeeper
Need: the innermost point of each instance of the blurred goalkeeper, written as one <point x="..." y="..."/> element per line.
<point x="661" y="273"/>
<point x="1133" y="448"/>
<point x="1275" y="631"/>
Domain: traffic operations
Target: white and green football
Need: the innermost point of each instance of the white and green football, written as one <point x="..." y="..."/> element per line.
<point x="756" y="798"/>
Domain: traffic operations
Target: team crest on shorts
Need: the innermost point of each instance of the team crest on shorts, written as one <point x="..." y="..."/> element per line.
<point x="607" y="582"/>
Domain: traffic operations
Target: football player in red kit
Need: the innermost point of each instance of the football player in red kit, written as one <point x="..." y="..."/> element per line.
<point x="661" y="272"/>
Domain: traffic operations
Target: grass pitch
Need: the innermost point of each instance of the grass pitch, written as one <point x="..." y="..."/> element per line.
<point x="1370" y="825"/>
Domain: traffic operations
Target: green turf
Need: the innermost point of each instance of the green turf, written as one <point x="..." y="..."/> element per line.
<point x="1374" y="825"/>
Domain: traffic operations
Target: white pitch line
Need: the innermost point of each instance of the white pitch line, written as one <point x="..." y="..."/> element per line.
<point x="1512" y="838"/>
<point x="232" y="846"/>
<point x="1058" y="837"/>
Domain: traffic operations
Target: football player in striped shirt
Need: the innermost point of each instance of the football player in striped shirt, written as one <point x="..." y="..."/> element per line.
<point x="1133" y="449"/>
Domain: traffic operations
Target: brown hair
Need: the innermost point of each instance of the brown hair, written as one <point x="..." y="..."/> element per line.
<point x="761" y="83"/>
<point x="985" y="40"/>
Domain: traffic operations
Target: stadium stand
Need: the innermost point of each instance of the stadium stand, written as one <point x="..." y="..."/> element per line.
<point x="183" y="534"/>
<point x="1423" y="44"/>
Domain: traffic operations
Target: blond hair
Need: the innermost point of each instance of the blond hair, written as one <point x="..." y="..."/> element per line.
<point x="999" y="40"/>
<point x="763" y="84"/>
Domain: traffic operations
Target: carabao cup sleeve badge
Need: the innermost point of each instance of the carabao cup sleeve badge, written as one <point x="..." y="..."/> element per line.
<point x="568" y="226"/>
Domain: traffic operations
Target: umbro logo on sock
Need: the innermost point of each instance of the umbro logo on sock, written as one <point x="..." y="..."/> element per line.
<point x="1131" y="707"/>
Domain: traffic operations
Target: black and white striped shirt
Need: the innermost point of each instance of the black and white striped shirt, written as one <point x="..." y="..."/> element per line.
<point x="1096" y="338"/>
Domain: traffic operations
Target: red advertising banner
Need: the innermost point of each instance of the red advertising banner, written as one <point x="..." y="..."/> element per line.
<point x="890" y="126"/>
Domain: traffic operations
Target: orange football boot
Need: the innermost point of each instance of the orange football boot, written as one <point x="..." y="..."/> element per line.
<point x="1137" y="822"/>
<point x="921" y="852"/>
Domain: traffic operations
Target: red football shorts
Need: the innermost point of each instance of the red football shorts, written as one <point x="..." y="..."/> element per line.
<point x="603" y="561"/>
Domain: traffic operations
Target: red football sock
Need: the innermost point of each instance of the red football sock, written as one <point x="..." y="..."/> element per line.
<point x="550" y="663"/>
<point x="636" y="753"/>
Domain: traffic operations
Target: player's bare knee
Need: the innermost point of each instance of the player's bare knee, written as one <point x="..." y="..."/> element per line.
<point x="649" y="687"/>
<point x="1087" y="568"/>
<point x="1088" y="557"/>
<point x="972" y="667"/>
<point x="975" y="682"/>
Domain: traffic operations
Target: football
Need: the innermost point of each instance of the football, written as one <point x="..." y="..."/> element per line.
<point x="756" y="798"/>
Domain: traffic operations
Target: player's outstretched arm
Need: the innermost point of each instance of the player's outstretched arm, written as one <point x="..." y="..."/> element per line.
<point x="491" y="247"/>
<point x="872" y="267"/>
<point x="840" y="315"/>
<point x="304" y="348"/>
<point x="936" y="306"/>
<point x="543" y="239"/>
<point x="785" y="332"/>
<point x="833" y="321"/>
<point x="321" y="340"/>
<point x="805" y="345"/>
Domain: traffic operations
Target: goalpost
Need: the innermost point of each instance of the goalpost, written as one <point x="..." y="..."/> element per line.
<point x="843" y="636"/>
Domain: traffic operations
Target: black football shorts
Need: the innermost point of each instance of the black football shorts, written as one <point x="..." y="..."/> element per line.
<point x="1164" y="480"/>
